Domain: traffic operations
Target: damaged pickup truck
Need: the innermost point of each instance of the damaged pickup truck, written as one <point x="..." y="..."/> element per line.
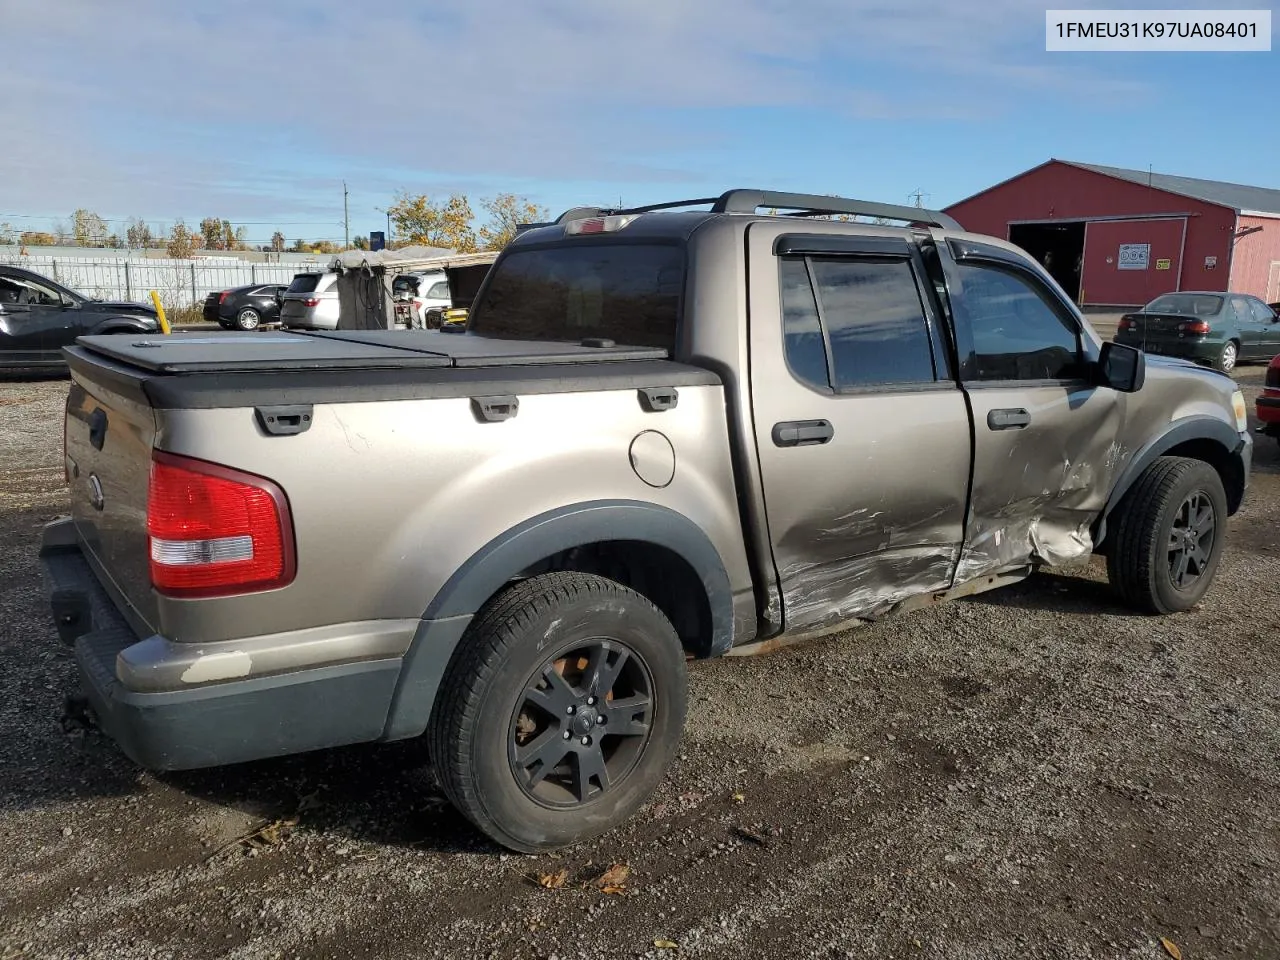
<point x="666" y="433"/>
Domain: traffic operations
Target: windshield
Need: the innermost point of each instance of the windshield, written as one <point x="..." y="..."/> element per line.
<point x="1185" y="304"/>
<point x="626" y="292"/>
<point x="304" y="283"/>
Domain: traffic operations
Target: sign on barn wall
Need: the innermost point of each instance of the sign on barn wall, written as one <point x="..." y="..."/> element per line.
<point x="1134" y="256"/>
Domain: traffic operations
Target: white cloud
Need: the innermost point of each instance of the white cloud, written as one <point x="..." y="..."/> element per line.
<point x="151" y="106"/>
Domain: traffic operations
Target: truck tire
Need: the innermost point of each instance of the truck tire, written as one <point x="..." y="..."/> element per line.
<point x="560" y="712"/>
<point x="1170" y="534"/>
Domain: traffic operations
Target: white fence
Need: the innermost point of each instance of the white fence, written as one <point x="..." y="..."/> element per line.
<point x="180" y="283"/>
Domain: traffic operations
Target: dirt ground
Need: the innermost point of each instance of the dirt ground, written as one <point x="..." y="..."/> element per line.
<point x="1031" y="773"/>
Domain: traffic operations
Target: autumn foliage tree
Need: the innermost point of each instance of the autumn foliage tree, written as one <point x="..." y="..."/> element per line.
<point x="419" y="221"/>
<point x="506" y="211"/>
<point x="182" y="242"/>
<point x="220" y="235"/>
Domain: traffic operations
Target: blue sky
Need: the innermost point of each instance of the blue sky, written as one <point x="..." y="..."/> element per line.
<point x="256" y="111"/>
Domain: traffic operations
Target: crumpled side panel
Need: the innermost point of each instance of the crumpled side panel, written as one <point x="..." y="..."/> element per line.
<point x="818" y="596"/>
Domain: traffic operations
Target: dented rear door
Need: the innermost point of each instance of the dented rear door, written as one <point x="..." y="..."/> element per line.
<point x="861" y="429"/>
<point x="1046" y="439"/>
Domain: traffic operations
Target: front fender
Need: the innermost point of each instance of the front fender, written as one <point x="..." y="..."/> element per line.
<point x="1188" y="429"/>
<point x="497" y="562"/>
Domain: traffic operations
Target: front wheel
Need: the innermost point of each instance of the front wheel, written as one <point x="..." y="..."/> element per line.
<point x="560" y="712"/>
<point x="248" y="319"/>
<point x="1229" y="357"/>
<point x="1170" y="534"/>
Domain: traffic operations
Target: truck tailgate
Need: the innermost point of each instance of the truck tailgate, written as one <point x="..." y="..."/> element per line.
<point x="108" y="439"/>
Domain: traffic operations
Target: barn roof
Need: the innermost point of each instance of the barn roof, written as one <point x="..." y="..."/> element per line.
<point x="1238" y="197"/>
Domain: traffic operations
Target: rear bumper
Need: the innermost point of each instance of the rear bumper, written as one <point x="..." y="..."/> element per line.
<point x="1197" y="349"/>
<point x="209" y="724"/>
<point x="1269" y="409"/>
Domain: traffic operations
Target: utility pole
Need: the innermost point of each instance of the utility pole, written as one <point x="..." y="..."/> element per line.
<point x="917" y="198"/>
<point x="346" y="218"/>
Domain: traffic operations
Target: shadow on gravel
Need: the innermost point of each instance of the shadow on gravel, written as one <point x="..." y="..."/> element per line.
<point x="375" y="793"/>
<point x="1060" y="593"/>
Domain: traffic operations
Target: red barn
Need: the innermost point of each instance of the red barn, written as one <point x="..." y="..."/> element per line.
<point x="1115" y="237"/>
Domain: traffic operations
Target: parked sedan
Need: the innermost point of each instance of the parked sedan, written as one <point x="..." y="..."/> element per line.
<point x="245" y="308"/>
<point x="1218" y="329"/>
<point x="38" y="317"/>
<point x="311" y="302"/>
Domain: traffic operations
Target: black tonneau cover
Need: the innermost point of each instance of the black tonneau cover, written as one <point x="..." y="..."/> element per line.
<point x="182" y="353"/>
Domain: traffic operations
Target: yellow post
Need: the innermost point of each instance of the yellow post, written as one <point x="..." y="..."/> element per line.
<point x="164" y="323"/>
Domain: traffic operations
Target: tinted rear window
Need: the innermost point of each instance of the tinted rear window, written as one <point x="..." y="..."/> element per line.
<point x="1187" y="304"/>
<point x="626" y="292"/>
<point x="305" y="283"/>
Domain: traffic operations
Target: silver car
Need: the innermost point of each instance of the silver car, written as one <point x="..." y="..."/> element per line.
<point x="311" y="302"/>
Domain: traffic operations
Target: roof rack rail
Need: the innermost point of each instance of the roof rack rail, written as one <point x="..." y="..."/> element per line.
<point x="814" y="205"/>
<point x="801" y="205"/>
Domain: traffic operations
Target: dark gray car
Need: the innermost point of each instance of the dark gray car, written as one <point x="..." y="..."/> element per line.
<point x="663" y="435"/>
<point x="39" y="316"/>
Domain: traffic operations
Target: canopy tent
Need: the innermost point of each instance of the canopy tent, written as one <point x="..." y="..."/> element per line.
<point x="365" y="280"/>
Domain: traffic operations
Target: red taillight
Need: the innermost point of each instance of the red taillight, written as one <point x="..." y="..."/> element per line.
<point x="222" y="297"/>
<point x="214" y="531"/>
<point x="311" y="302"/>
<point x="1194" y="326"/>
<point x="1127" y="323"/>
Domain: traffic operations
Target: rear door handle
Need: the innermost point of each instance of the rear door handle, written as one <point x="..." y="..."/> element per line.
<point x="802" y="433"/>
<point x="1011" y="418"/>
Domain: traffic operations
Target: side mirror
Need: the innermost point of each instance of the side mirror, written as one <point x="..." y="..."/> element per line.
<point x="70" y="305"/>
<point x="1121" y="367"/>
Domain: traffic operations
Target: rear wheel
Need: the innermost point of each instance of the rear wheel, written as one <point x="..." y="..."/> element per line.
<point x="248" y="319"/>
<point x="560" y="712"/>
<point x="1170" y="533"/>
<point x="1229" y="357"/>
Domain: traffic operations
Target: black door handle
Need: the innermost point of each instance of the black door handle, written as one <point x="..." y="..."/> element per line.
<point x="1012" y="418"/>
<point x="802" y="433"/>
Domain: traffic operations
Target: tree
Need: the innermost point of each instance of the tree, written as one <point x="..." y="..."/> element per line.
<point x="506" y="211"/>
<point x="138" y="236"/>
<point x="38" y="238"/>
<point x="300" y="246"/>
<point x="182" y="242"/>
<point x="420" y="222"/>
<point x="89" y="229"/>
<point x="277" y="242"/>
<point x="359" y="243"/>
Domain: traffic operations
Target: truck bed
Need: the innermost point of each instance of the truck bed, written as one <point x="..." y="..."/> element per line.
<point x="194" y="371"/>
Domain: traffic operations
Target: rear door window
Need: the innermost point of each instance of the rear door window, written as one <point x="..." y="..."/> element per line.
<point x="850" y="324"/>
<point x="304" y="283"/>
<point x="439" y="291"/>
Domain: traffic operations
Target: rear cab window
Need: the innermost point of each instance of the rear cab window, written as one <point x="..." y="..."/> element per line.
<point x="627" y="292"/>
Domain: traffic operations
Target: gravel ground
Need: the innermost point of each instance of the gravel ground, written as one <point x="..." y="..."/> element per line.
<point x="1031" y="773"/>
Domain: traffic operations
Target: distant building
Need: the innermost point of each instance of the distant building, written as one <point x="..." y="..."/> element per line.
<point x="1116" y="237"/>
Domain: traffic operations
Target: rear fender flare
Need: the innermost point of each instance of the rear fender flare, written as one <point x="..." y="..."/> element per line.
<point x="497" y="562"/>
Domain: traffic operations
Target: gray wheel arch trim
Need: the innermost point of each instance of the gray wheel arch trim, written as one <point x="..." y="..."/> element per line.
<point x="1179" y="432"/>
<point x="483" y="575"/>
<point x="123" y="324"/>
